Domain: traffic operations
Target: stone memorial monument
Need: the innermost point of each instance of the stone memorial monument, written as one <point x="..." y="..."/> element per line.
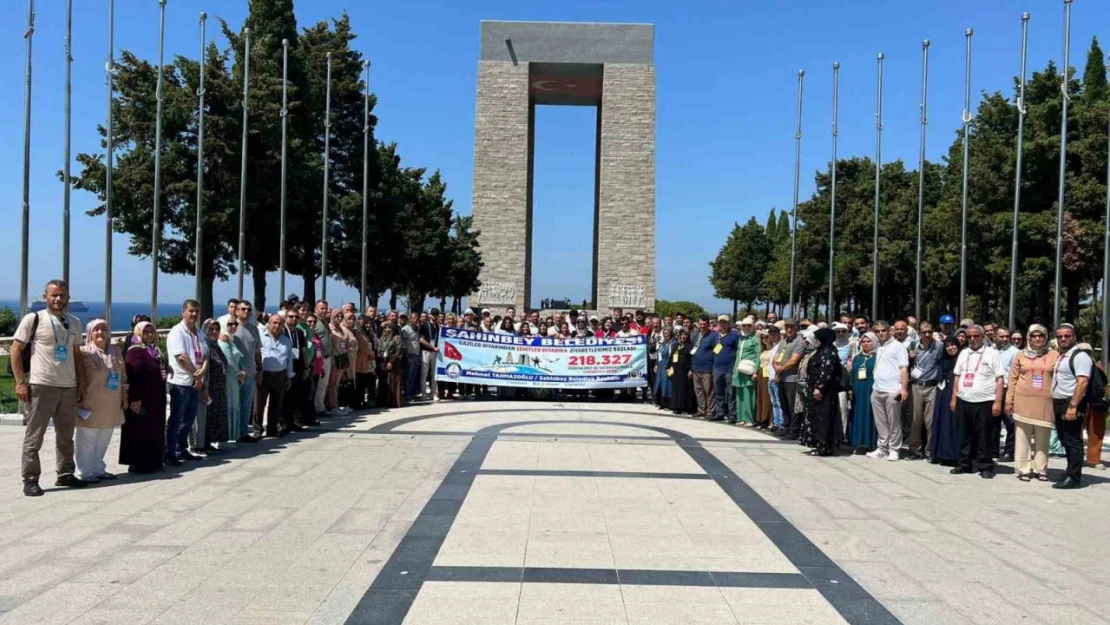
<point x="608" y="66"/>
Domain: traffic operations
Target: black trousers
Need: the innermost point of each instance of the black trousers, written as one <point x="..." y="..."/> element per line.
<point x="976" y="425"/>
<point x="307" y="400"/>
<point x="272" y="389"/>
<point x="651" y="380"/>
<point x="364" y="390"/>
<point x="1071" y="437"/>
<point x="996" y="445"/>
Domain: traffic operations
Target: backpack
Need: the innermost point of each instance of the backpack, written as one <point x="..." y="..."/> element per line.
<point x="1095" y="397"/>
<point x="26" y="355"/>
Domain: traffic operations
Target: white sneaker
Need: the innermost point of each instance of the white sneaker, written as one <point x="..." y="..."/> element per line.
<point x="878" y="453"/>
<point x="894" y="456"/>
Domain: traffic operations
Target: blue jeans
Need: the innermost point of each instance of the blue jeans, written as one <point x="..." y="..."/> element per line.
<point x="725" y="396"/>
<point x="776" y="404"/>
<point x="412" y="377"/>
<point x="246" y="401"/>
<point x="183" y="412"/>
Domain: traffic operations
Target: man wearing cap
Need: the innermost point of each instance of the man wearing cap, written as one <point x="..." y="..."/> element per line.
<point x="724" y="359"/>
<point x="702" y="360"/>
<point x="925" y="374"/>
<point x="786" y="375"/>
<point x="747" y="360"/>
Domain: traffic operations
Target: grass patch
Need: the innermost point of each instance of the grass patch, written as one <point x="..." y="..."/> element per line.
<point x="8" y="403"/>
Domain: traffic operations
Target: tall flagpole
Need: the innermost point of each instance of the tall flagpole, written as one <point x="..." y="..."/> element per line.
<point x="110" y="70"/>
<point x="967" y="157"/>
<point x="1106" y="269"/>
<point x="200" y="166"/>
<point x="327" y="162"/>
<point x="921" y="171"/>
<point x="284" y="127"/>
<point x="65" y="142"/>
<point x="365" y="182"/>
<point x="243" y="167"/>
<point x="156" y="227"/>
<point x="832" y="201"/>
<point x="1017" y="169"/>
<point x="1063" y="165"/>
<point x="797" y="182"/>
<point x="878" y="171"/>
<point x="25" y="241"/>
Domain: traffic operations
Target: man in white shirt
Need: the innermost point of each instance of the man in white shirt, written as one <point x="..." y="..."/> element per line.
<point x="49" y="375"/>
<point x="890" y="391"/>
<point x="977" y="402"/>
<point x="188" y="354"/>
<point x="1069" y="390"/>
<point x="1007" y="352"/>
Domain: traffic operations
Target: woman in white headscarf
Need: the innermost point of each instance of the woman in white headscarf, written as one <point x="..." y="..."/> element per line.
<point x="102" y="407"/>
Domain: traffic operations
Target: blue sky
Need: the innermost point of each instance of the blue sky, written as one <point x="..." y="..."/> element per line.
<point x="726" y="76"/>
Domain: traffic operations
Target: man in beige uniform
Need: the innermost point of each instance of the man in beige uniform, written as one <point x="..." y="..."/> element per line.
<point x="50" y="389"/>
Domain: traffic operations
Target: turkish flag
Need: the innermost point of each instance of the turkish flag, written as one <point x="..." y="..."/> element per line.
<point x="452" y="352"/>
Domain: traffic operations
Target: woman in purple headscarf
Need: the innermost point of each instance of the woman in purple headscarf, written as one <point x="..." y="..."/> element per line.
<point x="143" y="436"/>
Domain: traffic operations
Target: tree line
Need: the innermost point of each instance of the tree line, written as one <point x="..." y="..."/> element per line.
<point x="753" y="266"/>
<point x="418" y="246"/>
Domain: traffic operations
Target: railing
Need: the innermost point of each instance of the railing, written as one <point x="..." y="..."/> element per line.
<point x="6" y="341"/>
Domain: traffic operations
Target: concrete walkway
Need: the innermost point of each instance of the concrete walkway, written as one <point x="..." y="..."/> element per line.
<point x="547" y="513"/>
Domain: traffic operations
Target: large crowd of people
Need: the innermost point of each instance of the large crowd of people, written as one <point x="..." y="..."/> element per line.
<point x="888" y="391"/>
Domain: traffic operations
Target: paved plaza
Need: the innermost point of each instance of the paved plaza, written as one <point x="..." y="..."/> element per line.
<point x="548" y="513"/>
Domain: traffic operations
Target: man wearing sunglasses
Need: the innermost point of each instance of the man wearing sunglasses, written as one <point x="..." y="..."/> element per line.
<point x="1069" y="390"/>
<point x="924" y="377"/>
<point x="977" y="402"/>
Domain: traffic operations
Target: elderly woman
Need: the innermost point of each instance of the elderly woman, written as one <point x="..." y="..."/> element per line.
<point x="744" y="370"/>
<point x="1029" y="401"/>
<point x="662" y="388"/>
<point x="235" y="374"/>
<point x="763" y="408"/>
<point x="102" y="407"/>
<point x="823" y="377"/>
<point x="862" y="434"/>
<point x="143" y="435"/>
<point x="347" y="388"/>
<point x="392" y="355"/>
<point x="214" y="399"/>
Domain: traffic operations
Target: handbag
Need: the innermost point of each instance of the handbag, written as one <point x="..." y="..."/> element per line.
<point x="747" y="367"/>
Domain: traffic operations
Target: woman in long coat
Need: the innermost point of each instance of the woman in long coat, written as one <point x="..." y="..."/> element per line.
<point x="105" y="381"/>
<point x="945" y="439"/>
<point x="747" y="357"/>
<point x="215" y="390"/>
<point x="682" y="383"/>
<point x="763" y="406"/>
<point x="143" y="435"/>
<point x="235" y="375"/>
<point x="393" y="357"/>
<point x="662" y="389"/>
<point x="822" y="433"/>
<point x="862" y="434"/>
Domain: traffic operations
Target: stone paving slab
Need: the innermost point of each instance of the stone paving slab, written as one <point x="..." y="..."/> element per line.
<point x="297" y="530"/>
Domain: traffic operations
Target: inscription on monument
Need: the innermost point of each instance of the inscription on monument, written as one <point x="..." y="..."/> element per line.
<point x="497" y="293"/>
<point x="626" y="296"/>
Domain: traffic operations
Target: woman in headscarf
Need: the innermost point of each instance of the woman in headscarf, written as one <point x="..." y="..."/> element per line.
<point x="862" y="434"/>
<point x="341" y="361"/>
<point x="1029" y="401"/>
<point x="802" y="396"/>
<point x="945" y="440"/>
<point x="104" y="383"/>
<point x="215" y="395"/>
<point x="961" y="338"/>
<point x="234" y="375"/>
<point x="392" y="354"/>
<point x="823" y="377"/>
<point x="763" y="405"/>
<point x="662" y="388"/>
<point x="143" y="435"/>
<point x="347" y="392"/>
<point x="682" y="377"/>
<point x="744" y="371"/>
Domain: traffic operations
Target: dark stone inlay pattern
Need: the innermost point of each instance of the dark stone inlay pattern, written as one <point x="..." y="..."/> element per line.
<point x="633" y="577"/>
<point x="611" y="437"/>
<point x="560" y="473"/>
<point x="386" y="602"/>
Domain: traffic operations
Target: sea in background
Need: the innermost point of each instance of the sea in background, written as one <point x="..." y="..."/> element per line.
<point x="122" y="312"/>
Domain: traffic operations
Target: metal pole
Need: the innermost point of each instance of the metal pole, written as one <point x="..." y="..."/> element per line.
<point x="243" y="167"/>
<point x="1017" y="168"/>
<point x="156" y="226"/>
<point x="832" y="202"/>
<point x="327" y="160"/>
<point x="878" y="171"/>
<point x="284" y="126"/>
<point x="797" y="182"/>
<point x="26" y="234"/>
<point x="65" y="142"/>
<point x="1063" y="166"/>
<point x="200" y="165"/>
<point x="365" y="182"/>
<point x="1106" y="269"/>
<point x="967" y="157"/>
<point x="921" y="171"/>
<point x="110" y="70"/>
